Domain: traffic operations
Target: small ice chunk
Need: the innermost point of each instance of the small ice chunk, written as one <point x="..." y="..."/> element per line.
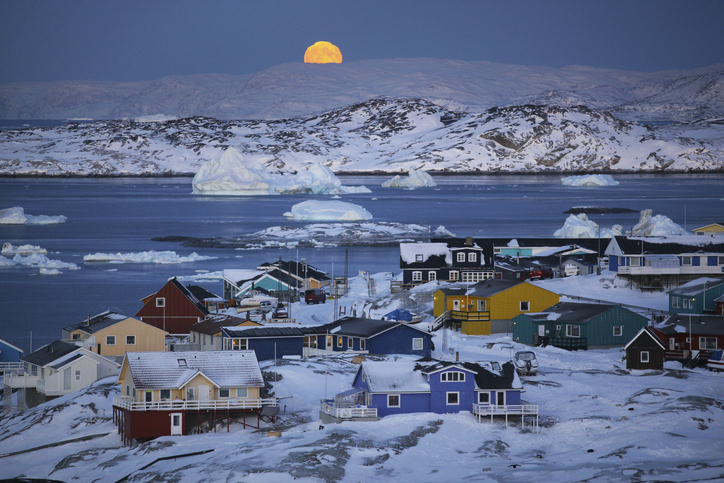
<point x="590" y="180"/>
<point x="328" y="211"/>
<point x="416" y="178"/>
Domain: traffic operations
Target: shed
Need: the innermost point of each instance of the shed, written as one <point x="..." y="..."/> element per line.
<point x="645" y="351"/>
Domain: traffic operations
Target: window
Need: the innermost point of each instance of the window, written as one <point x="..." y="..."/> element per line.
<point x="644" y="356"/>
<point x="242" y="392"/>
<point x="675" y="302"/>
<point x="461" y="257"/>
<point x="483" y="398"/>
<point x="453" y="398"/>
<point x="721" y="260"/>
<point x="417" y="344"/>
<point x="524" y="306"/>
<point x="452" y="376"/>
<point x="573" y="330"/>
<point x="182" y="363"/>
<point x="393" y="400"/>
<point x="454" y="275"/>
<point x="472" y="257"/>
<point x="685" y="303"/>
<point x="339" y="341"/>
<point x="110" y="340"/>
<point x="190" y="393"/>
<point x="160" y="301"/>
<point x="617" y="330"/>
<point x="223" y="392"/>
<point x="418" y="257"/>
<point x="707" y="343"/>
<point x="417" y="276"/>
<point x="75" y="336"/>
<point x="481" y="305"/>
<point x="496" y="250"/>
<point x="165" y="393"/>
<point x="149" y="396"/>
<point x="686" y="260"/>
<point x="239" y="344"/>
<point x="77" y="375"/>
<point x="130" y="340"/>
<point x="128" y="390"/>
<point x="635" y="261"/>
<point x="362" y="344"/>
<point x="134" y="393"/>
<point x="350" y="343"/>
<point x="431" y="276"/>
<point x="477" y="276"/>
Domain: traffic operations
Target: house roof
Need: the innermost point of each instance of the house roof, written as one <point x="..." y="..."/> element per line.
<point x="165" y="370"/>
<point x="8" y="344"/>
<point x="297" y="269"/>
<point x="710" y="225"/>
<point x="697" y="286"/>
<point x="201" y="293"/>
<point x="700" y="324"/>
<point x="68" y="359"/>
<point x="189" y="295"/>
<point x="488" y="378"/>
<point x="213" y="325"/>
<point x="631" y="246"/>
<point x="347" y="326"/>
<point x="98" y="322"/>
<point x="646" y="332"/>
<point x="486" y="288"/>
<point x="264" y="332"/>
<point x="49" y="353"/>
<point x="571" y="312"/>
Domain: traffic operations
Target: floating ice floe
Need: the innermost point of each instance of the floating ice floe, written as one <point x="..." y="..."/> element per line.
<point x="416" y="178"/>
<point x="590" y="180"/>
<point x="50" y="271"/>
<point x="579" y="226"/>
<point x="9" y="249"/>
<point x="228" y="175"/>
<point x="328" y="211"/>
<point x="144" y="257"/>
<point x="17" y="216"/>
<point x="36" y="260"/>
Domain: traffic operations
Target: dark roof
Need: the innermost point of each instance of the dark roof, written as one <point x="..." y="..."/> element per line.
<point x="700" y="324"/>
<point x="201" y="293"/>
<point x="693" y="289"/>
<point x="213" y="325"/>
<point x="454" y="290"/>
<point x="588" y="243"/>
<point x="98" y="322"/>
<point x="485" y="379"/>
<point x="347" y="326"/>
<point x="189" y="295"/>
<point x="262" y="332"/>
<point x="72" y="358"/>
<point x="572" y="312"/>
<point x="49" y="353"/>
<point x="646" y="331"/>
<point x="486" y="288"/>
<point x="633" y="247"/>
<point x="298" y="269"/>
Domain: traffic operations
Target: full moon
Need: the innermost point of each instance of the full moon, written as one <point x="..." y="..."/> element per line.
<point x="323" y="53"/>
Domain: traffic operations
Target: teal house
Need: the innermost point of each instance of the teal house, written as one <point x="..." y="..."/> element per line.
<point x="572" y="326"/>
<point x="696" y="297"/>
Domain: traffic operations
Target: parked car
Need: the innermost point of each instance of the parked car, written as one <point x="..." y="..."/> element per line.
<point x="314" y="296"/>
<point x="525" y="363"/>
<point x="716" y="361"/>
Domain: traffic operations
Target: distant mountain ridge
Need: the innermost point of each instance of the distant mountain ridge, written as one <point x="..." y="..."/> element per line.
<point x="297" y="89"/>
<point x="382" y="135"/>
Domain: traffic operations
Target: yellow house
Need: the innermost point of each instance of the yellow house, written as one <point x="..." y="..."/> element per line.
<point x="112" y="335"/>
<point x="170" y="393"/>
<point x="488" y="306"/>
<point x="713" y="229"/>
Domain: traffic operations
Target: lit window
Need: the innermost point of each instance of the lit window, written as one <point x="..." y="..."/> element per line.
<point x="239" y="344"/>
<point x="454" y="275"/>
<point x="339" y="341"/>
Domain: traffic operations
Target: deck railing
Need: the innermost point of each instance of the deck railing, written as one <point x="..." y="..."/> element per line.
<point x="328" y="407"/>
<point x="470" y="316"/>
<point x="124" y="402"/>
<point x="510" y="410"/>
<point x="313" y="351"/>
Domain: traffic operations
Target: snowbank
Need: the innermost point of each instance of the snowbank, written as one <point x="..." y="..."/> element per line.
<point x="144" y="257"/>
<point x="228" y="175"/>
<point x="658" y="225"/>
<point x="579" y="226"/>
<point x="590" y="180"/>
<point x="16" y="216"/>
<point x="416" y="178"/>
<point x="328" y="211"/>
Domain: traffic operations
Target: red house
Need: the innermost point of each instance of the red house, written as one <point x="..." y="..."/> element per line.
<point x="694" y="333"/>
<point x="175" y="307"/>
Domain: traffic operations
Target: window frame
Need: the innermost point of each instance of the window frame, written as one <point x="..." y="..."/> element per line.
<point x="460" y="258"/>
<point x="417" y="276"/>
<point x="350" y="343"/>
<point x="527" y="305"/>
<point x="487" y="396"/>
<point x="704" y="343"/>
<point x="675" y="302"/>
<point x="77" y="375"/>
<point x="644" y="357"/>
<point x="415" y="342"/>
<point x="431" y="276"/>
<point x="110" y="340"/>
<point x="362" y="344"/>
<point x="454" y="275"/>
<point x="472" y="257"/>
<point x="570" y="329"/>
<point x="418" y="257"/>
<point x="620" y="330"/>
<point x="223" y="390"/>
<point x="456" y="394"/>
<point x="392" y="397"/>
<point x="452" y="376"/>
<point x="165" y="394"/>
<point x="161" y="302"/>
<point x="130" y="340"/>
<point x="242" y="392"/>
<point x="340" y="342"/>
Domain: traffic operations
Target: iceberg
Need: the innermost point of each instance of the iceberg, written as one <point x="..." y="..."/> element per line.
<point x="579" y="226"/>
<point x="9" y="249"/>
<point x="144" y="257"/>
<point x="416" y="178"/>
<point x="36" y="260"/>
<point x="656" y="225"/>
<point x="17" y="216"/>
<point x="590" y="180"/>
<point x="328" y="211"/>
<point x="228" y="175"/>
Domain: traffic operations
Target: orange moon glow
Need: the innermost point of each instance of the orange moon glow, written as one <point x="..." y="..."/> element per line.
<point x="323" y="53"/>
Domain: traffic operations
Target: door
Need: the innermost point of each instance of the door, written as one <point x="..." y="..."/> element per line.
<point x="204" y="392"/>
<point x="176" y="420"/>
<point x="190" y="394"/>
<point x="501" y="398"/>
<point x="541" y="330"/>
<point x="456" y="305"/>
<point x="672" y="343"/>
<point x="329" y="342"/>
<point x="66" y="379"/>
<point x="481" y="305"/>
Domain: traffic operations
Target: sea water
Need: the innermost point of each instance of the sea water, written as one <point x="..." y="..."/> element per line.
<point x="123" y="215"/>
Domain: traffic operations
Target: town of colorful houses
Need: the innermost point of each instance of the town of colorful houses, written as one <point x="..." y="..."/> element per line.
<point x="190" y="357"/>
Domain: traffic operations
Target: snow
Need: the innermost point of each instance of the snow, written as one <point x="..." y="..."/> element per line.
<point x="229" y="176"/>
<point x="155" y="118"/>
<point x="409" y="252"/>
<point x="416" y="178"/>
<point x="598" y="420"/>
<point x="579" y="226"/>
<point x="144" y="257"/>
<point x="590" y="180"/>
<point x="328" y="211"/>
<point x="9" y="249"/>
<point x="17" y="216"/>
<point x="37" y="260"/>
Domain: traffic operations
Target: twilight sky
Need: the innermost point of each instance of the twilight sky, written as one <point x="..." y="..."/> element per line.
<point x="48" y="40"/>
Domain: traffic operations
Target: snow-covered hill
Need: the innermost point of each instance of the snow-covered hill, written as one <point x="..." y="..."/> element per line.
<point x="379" y="135"/>
<point x="297" y="89"/>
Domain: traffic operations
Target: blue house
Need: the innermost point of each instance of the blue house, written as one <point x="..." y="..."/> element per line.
<point x="696" y="297"/>
<point x="349" y="334"/>
<point x="387" y="388"/>
<point x="9" y="353"/>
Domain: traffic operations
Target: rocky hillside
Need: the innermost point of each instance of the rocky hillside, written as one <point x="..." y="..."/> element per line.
<point x="379" y="135"/>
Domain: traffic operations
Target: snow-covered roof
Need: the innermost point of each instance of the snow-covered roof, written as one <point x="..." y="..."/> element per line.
<point x="697" y="286"/>
<point x="394" y="376"/>
<point x="165" y="370"/>
<point x="409" y="252"/>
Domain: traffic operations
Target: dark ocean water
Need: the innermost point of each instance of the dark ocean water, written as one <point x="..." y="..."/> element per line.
<point x="123" y="215"/>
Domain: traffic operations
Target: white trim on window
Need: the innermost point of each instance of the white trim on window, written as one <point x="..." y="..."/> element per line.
<point x="110" y="340"/>
<point x="573" y="330"/>
<point x="452" y="398"/>
<point x="393" y="400"/>
<point x="431" y="275"/>
<point x="130" y="340"/>
<point x="452" y="376"/>
<point x="454" y="275"/>
<point x="644" y="356"/>
<point x="461" y="257"/>
<point x="160" y="301"/>
<point x="472" y="257"/>
<point x="617" y="330"/>
<point x="524" y="306"/>
<point x="484" y="397"/>
<point x="417" y="276"/>
<point x="417" y="344"/>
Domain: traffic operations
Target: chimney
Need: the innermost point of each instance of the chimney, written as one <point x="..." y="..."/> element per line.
<point x="88" y="322"/>
<point x="468" y="241"/>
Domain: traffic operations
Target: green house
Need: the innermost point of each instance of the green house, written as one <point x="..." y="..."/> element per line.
<point x="696" y="297"/>
<point x="572" y="325"/>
